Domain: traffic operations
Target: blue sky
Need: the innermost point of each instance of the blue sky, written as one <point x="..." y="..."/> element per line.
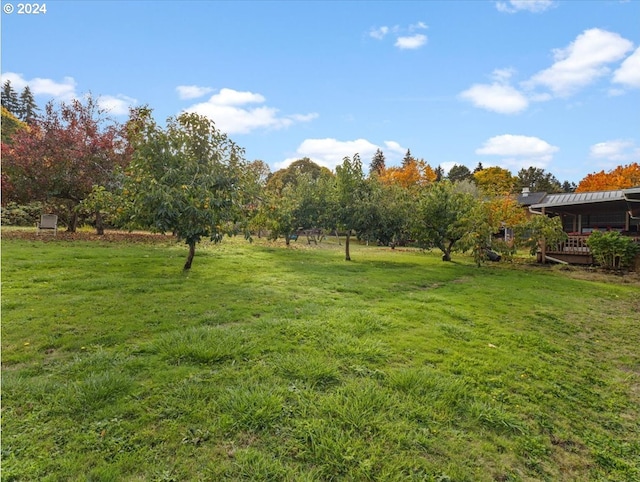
<point x="510" y="83"/>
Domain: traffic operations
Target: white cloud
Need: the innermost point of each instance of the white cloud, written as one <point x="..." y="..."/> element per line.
<point x="582" y="62"/>
<point x="418" y="26"/>
<point x="412" y="42"/>
<point x="192" y="91"/>
<point x="629" y="72"/>
<point x="330" y="152"/>
<point x="228" y="110"/>
<point x="116" y="105"/>
<point x="406" y="38"/>
<point x="395" y="148"/>
<point x="496" y="97"/>
<point x="61" y="91"/>
<point x="535" y="6"/>
<point x="517" y="151"/>
<point x="379" y="33"/>
<point x="618" y="150"/>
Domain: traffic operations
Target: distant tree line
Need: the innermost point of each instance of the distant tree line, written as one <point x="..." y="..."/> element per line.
<point x="190" y="180"/>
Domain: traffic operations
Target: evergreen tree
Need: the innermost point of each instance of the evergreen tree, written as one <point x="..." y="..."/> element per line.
<point x="459" y="173"/>
<point x="439" y="173"/>
<point x="569" y="186"/>
<point x="478" y="168"/>
<point x="10" y="99"/>
<point x="28" y="106"/>
<point x="408" y="158"/>
<point x="377" y="166"/>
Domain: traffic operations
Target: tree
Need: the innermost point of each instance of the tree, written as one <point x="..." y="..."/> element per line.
<point x="439" y="172"/>
<point x="442" y="217"/>
<point x="537" y="180"/>
<point x="298" y="204"/>
<point x="291" y="173"/>
<point x="495" y="180"/>
<point x="185" y="179"/>
<point x="10" y="124"/>
<point x="377" y="165"/>
<point x="10" y="100"/>
<point x="28" y="106"/>
<point x="355" y="208"/>
<point x="539" y="231"/>
<point x="411" y="174"/>
<point x="459" y="173"/>
<point x="486" y="219"/>
<point x="408" y="158"/>
<point x="568" y="186"/>
<point x="478" y="168"/>
<point x="390" y="221"/>
<point x="622" y="177"/>
<point x="63" y="155"/>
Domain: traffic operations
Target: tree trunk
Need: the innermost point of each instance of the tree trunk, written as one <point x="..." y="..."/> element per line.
<point x="99" y="224"/>
<point x="347" y="256"/>
<point x="192" y="252"/>
<point x="73" y="222"/>
<point x="446" y="256"/>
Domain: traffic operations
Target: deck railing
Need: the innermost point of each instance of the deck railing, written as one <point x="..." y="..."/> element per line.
<point x="576" y="244"/>
<point x="572" y="245"/>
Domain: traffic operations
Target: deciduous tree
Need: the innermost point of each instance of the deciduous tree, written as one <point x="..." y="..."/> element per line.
<point x="411" y="174"/>
<point x="442" y="217"/>
<point x="622" y="177"/>
<point x="63" y="155"/>
<point x="355" y="205"/>
<point x="495" y="180"/>
<point x="184" y="179"/>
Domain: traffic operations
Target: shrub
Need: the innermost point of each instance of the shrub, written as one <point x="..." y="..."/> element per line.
<point x="14" y="214"/>
<point x="612" y="250"/>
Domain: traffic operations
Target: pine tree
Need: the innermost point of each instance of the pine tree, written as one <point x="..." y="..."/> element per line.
<point x="28" y="106"/>
<point x="408" y="158"/>
<point x="10" y="99"/>
<point x="377" y="166"/>
<point x="439" y="173"/>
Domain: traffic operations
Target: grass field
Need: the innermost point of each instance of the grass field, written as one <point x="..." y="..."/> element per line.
<point x="268" y="363"/>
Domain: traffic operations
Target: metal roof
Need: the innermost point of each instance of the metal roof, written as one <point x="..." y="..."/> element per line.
<point x="574" y="198"/>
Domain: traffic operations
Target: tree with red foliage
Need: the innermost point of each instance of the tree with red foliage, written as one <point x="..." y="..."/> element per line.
<point x="622" y="177"/>
<point x="62" y="156"/>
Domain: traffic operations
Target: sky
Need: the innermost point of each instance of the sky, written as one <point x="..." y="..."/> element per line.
<point x="508" y="83"/>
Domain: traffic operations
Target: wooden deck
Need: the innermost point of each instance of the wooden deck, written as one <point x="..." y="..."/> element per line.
<point x="572" y="251"/>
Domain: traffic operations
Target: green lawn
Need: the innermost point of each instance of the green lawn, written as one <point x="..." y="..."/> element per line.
<point x="267" y="363"/>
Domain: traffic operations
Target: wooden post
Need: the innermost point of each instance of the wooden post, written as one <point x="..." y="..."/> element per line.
<point x="627" y="222"/>
<point x="543" y="243"/>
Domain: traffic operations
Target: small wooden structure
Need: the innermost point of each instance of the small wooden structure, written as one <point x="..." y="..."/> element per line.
<point x="586" y="212"/>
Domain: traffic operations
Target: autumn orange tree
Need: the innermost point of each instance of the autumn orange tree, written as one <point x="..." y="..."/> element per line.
<point x="411" y="174"/>
<point x="622" y="177"/>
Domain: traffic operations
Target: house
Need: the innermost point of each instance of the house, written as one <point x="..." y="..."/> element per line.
<point x="585" y="212"/>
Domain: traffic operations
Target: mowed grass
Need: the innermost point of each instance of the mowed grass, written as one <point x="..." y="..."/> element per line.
<point x="268" y="363"/>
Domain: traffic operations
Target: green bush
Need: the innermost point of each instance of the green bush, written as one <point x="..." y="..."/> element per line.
<point x="14" y="214"/>
<point x="612" y="250"/>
